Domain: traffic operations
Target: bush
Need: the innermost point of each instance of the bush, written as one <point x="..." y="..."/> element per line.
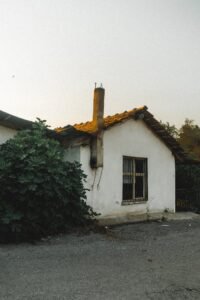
<point x="40" y="193"/>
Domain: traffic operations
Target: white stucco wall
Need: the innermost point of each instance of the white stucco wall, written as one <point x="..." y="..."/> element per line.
<point x="131" y="138"/>
<point x="6" y="134"/>
<point x="72" y="154"/>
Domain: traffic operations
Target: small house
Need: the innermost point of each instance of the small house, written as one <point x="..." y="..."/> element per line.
<point x="129" y="159"/>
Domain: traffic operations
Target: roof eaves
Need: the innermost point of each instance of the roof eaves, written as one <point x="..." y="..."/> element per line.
<point x="13" y="122"/>
<point x="71" y="132"/>
<point x="162" y="133"/>
<point x="16" y="123"/>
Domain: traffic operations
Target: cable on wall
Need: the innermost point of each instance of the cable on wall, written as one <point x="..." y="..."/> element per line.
<point x="95" y="173"/>
<point x="98" y="184"/>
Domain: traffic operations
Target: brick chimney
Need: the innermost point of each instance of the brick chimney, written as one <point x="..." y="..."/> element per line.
<point x="96" y="159"/>
<point x="98" y="108"/>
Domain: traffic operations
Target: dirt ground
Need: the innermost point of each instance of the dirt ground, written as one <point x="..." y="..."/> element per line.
<point x="159" y="260"/>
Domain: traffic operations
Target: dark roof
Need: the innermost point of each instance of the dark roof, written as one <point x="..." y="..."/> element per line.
<point x="136" y="113"/>
<point x="13" y="122"/>
<point x="16" y="123"/>
<point x="159" y="130"/>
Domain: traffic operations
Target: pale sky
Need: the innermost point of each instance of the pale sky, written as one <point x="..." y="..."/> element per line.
<point x="145" y="52"/>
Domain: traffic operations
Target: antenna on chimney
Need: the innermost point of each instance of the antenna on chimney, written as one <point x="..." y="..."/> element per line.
<point x="95" y="85"/>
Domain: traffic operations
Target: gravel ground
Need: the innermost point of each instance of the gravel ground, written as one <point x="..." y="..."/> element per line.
<point x="137" y="261"/>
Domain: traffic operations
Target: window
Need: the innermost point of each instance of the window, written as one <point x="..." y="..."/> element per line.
<point x="134" y="180"/>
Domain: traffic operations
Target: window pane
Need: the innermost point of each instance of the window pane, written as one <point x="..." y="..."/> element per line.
<point x="139" y="187"/>
<point x="127" y="191"/>
<point x="139" y="165"/>
<point x="127" y="165"/>
<point x="127" y="178"/>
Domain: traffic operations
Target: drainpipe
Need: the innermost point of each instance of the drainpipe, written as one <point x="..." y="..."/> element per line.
<point x="96" y="159"/>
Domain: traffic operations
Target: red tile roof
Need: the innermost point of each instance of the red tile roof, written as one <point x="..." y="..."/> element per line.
<point x="88" y="128"/>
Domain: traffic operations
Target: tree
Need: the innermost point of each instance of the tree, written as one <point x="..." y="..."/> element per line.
<point x="187" y="175"/>
<point x="171" y="129"/>
<point x="40" y="192"/>
<point x="189" y="138"/>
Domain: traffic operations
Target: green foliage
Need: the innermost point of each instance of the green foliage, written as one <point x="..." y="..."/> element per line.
<point x="40" y="193"/>
<point x="171" y="129"/>
<point x="189" y="138"/>
<point x="188" y="175"/>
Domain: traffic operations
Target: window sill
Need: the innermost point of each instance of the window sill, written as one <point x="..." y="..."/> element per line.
<point x="131" y="202"/>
